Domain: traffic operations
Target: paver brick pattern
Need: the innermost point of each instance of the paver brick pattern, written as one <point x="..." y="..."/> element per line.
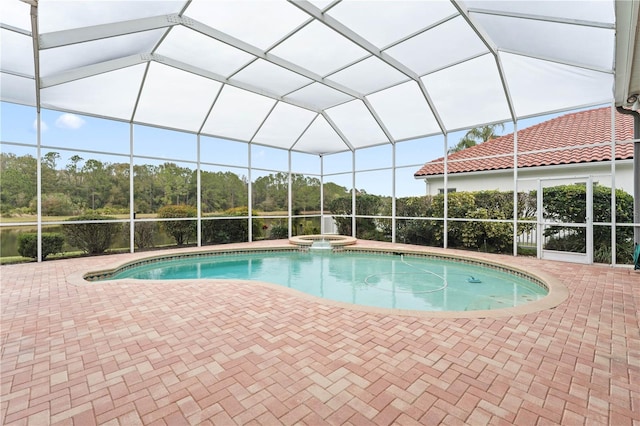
<point x="225" y="353"/>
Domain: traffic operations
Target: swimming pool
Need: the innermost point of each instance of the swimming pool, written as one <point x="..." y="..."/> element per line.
<point x="383" y="280"/>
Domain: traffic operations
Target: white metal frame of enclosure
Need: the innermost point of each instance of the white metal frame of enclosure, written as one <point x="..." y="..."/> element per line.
<point x="473" y="23"/>
<point x="324" y="107"/>
<point x="393" y="169"/>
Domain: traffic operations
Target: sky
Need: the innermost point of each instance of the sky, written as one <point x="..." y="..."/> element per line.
<point x="72" y="133"/>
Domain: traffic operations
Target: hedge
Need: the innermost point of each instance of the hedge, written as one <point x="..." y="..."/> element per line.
<point x="181" y="230"/>
<point x="51" y="244"/>
<point x="92" y="238"/>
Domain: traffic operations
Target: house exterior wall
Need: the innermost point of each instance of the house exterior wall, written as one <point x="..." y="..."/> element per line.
<point x="502" y="180"/>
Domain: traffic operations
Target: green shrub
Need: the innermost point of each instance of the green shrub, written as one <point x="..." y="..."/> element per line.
<point x="28" y="244"/>
<point x="366" y="205"/>
<point x="278" y="232"/>
<point x="144" y="232"/>
<point x="567" y="203"/>
<point x="494" y="237"/>
<point x="563" y="203"/>
<point x="222" y="231"/>
<point x="498" y="204"/>
<point x="181" y="230"/>
<point x="310" y="227"/>
<point x="92" y="238"/>
<point x="416" y="231"/>
<point x="459" y="205"/>
<point x="414" y="206"/>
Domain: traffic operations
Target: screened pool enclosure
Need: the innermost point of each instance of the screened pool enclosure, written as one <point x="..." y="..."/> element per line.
<point x="205" y="122"/>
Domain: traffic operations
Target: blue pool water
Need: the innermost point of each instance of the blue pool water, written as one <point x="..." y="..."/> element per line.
<point x="380" y="280"/>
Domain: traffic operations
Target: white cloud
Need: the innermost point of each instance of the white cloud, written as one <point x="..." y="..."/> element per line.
<point x="69" y="121"/>
<point x="43" y="125"/>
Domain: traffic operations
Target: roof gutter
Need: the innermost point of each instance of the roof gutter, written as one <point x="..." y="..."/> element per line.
<point x="636" y="169"/>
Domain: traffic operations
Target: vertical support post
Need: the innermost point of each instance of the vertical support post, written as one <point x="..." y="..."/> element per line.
<point x="636" y="178"/>
<point x="289" y="195"/>
<point x="322" y="227"/>
<point x="39" y="182"/>
<point x="353" y="193"/>
<point x="589" y="220"/>
<point x="132" y="206"/>
<point x="199" y="195"/>
<point x="445" y="233"/>
<point x="515" y="188"/>
<point x="249" y="190"/>
<point x="35" y="33"/>
<point x="539" y="211"/>
<point x="393" y="193"/>
<point x="613" y="219"/>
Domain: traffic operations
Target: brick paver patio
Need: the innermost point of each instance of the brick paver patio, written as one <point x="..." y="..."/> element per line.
<point x="236" y="353"/>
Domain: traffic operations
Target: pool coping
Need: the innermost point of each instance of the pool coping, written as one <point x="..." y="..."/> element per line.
<point x="557" y="292"/>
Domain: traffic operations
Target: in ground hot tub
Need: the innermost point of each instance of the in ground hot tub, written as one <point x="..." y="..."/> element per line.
<point x="320" y="241"/>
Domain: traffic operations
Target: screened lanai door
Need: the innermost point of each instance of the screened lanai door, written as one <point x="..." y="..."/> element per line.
<point x="565" y="219"/>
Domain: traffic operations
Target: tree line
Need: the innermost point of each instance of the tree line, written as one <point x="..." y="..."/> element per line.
<point x="83" y="185"/>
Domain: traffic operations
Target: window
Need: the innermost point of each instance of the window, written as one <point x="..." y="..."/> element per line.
<point x="441" y="190"/>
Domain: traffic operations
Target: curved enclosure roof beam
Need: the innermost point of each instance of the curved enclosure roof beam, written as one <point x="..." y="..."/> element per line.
<point x="494" y="51"/>
<point x="369" y="47"/>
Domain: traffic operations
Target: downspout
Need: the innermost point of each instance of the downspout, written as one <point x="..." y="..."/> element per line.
<point x="636" y="170"/>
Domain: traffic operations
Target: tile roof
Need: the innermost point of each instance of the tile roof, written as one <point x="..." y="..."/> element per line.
<point x="562" y="134"/>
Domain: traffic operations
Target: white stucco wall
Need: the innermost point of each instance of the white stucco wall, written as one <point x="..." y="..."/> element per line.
<point x="502" y="180"/>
